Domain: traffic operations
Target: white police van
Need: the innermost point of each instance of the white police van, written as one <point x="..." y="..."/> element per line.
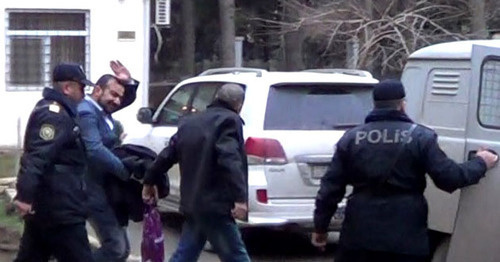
<point x="454" y="88"/>
<point x="292" y="123"/>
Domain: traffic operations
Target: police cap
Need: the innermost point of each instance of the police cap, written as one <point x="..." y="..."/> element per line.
<point x="389" y="89"/>
<point x="70" y="72"/>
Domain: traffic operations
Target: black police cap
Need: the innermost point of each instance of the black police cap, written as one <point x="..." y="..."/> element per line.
<point x="390" y="89"/>
<point x="70" y="72"/>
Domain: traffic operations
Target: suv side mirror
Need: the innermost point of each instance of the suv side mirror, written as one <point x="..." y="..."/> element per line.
<point x="145" y="115"/>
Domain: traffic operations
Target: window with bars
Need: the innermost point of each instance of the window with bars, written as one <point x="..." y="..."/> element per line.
<point x="36" y="41"/>
<point x="489" y="101"/>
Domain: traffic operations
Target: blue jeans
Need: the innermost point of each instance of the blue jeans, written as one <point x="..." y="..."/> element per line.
<point x="222" y="233"/>
<point x="115" y="246"/>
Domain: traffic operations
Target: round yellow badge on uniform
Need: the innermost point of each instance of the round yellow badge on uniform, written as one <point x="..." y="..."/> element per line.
<point x="47" y="132"/>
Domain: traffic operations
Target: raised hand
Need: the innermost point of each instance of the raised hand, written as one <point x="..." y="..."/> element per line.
<point x="121" y="72"/>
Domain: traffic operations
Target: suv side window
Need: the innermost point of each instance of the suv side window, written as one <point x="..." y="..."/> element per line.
<point x="205" y="94"/>
<point x="177" y="106"/>
<point x="189" y="99"/>
<point x="489" y="100"/>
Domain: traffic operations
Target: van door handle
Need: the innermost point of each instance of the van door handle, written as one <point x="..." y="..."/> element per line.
<point x="472" y="153"/>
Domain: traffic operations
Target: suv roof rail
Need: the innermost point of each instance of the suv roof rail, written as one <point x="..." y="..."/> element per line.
<point x="234" y="70"/>
<point x="354" y="72"/>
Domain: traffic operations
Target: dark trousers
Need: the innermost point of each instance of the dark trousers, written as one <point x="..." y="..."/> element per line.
<point x="67" y="243"/>
<point x="222" y="233"/>
<point x="115" y="246"/>
<point x="362" y="255"/>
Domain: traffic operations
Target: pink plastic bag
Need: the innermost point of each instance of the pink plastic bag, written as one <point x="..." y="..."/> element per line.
<point x="152" y="249"/>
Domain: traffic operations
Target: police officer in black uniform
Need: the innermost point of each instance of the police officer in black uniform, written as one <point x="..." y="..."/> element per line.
<point x="385" y="160"/>
<point x="51" y="194"/>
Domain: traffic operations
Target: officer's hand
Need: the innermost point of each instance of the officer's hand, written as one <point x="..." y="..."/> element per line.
<point x="240" y="210"/>
<point x="149" y="193"/>
<point x="23" y="208"/>
<point x="319" y="240"/>
<point x="489" y="158"/>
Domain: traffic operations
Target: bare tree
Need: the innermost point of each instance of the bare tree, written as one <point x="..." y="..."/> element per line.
<point x="478" y="18"/>
<point x="292" y="42"/>
<point x="388" y="30"/>
<point x="188" y="37"/>
<point x="226" y="13"/>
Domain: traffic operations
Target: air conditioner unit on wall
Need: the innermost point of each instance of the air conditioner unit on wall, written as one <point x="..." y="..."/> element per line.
<point x="162" y="17"/>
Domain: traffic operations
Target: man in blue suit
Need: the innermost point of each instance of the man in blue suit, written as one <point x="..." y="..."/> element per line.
<point x="110" y="94"/>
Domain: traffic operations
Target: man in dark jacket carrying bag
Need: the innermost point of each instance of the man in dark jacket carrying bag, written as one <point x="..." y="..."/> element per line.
<point x="51" y="192"/>
<point x="385" y="160"/>
<point x="209" y="148"/>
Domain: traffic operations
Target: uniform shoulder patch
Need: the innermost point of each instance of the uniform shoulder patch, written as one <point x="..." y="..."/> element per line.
<point x="47" y="132"/>
<point x="55" y="107"/>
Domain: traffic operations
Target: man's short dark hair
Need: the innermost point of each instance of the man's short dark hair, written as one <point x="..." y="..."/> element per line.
<point x="104" y="80"/>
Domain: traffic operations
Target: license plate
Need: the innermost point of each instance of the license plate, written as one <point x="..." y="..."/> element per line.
<point x="318" y="171"/>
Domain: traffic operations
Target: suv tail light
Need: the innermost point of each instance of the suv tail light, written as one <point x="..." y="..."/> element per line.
<point x="262" y="196"/>
<point x="264" y="151"/>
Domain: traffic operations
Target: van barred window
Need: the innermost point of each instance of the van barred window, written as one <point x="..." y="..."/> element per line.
<point x="489" y="101"/>
<point x="37" y="40"/>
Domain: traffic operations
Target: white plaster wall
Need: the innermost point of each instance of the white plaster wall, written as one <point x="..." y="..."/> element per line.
<point x="107" y="17"/>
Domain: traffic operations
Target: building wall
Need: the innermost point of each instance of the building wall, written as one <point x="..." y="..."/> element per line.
<point x="107" y="17"/>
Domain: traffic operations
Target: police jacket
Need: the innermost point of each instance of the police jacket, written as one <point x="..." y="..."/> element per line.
<point x="387" y="210"/>
<point x="53" y="163"/>
<point x="209" y="149"/>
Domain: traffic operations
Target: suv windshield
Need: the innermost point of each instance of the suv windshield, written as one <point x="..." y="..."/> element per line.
<point x="317" y="107"/>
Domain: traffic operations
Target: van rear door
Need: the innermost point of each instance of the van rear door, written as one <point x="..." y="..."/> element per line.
<point x="442" y="105"/>
<point x="477" y="227"/>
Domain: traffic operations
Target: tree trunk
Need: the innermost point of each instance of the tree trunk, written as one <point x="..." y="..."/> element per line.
<point x="188" y="37"/>
<point x="478" y="21"/>
<point x="293" y="51"/>
<point x="366" y="63"/>
<point x="226" y="13"/>
<point x="293" y="44"/>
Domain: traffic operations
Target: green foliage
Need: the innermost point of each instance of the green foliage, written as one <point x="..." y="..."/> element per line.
<point x="8" y="163"/>
<point x="9" y="221"/>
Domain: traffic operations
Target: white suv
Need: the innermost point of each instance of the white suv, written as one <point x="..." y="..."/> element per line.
<point x="292" y="123"/>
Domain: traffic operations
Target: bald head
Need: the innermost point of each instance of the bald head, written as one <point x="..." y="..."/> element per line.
<point x="232" y="94"/>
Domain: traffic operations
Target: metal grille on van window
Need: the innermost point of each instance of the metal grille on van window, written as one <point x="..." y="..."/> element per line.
<point x="445" y="83"/>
